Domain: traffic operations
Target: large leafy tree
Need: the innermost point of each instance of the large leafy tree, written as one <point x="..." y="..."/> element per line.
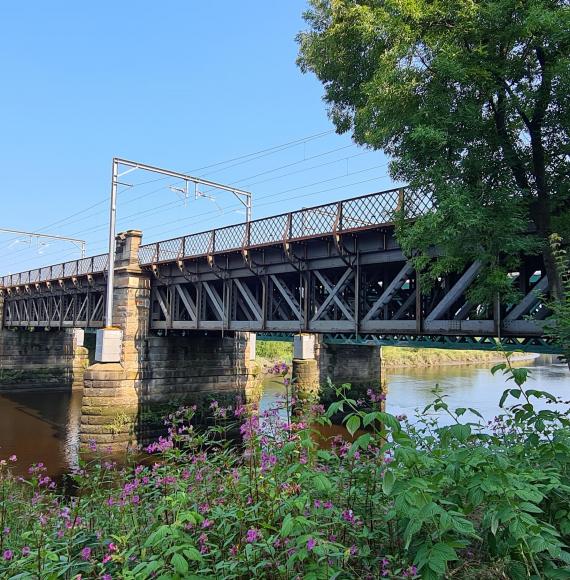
<point x="471" y="99"/>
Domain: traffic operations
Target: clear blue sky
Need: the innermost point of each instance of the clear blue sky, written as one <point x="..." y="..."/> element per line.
<point x="178" y="84"/>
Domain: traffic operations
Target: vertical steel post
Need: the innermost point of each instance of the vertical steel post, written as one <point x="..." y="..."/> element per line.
<point x="111" y="264"/>
<point x="248" y="208"/>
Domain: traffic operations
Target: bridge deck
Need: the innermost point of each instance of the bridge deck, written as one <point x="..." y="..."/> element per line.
<point x="335" y="269"/>
<point x="350" y="215"/>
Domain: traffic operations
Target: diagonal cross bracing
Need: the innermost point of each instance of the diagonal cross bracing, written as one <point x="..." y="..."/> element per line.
<point x="528" y="301"/>
<point x="333" y="293"/>
<point x="455" y="292"/>
<point x="187" y="300"/>
<point x="289" y="297"/>
<point x="391" y="289"/>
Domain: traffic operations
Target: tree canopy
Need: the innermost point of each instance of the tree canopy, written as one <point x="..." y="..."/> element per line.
<point x="471" y="100"/>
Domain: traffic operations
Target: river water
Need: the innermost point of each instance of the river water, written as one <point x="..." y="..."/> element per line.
<point x="44" y="426"/>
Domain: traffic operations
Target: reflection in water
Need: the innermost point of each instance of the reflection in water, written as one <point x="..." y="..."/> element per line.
<point x="410" y="389"/>
<point x="44" y="425"/>
<point x="40" y="426"/>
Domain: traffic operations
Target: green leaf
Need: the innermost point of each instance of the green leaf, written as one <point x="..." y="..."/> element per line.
<point x="192" y="554"/>
<point x="530" y="507"/>
<point x="158" y="536"/>
<point x="369" y="418"/>
<point x="413" y="527"/>
<point x="463" y="526"/>
<point x="388" y="482"/>
<point x="180" y="564"/>
<point x="517" y="570"/>
<point x="520" y="376"/>
<point x="353" y="424"/>
<point x="286" y="526"/>
<point x="439" y="556"/>
<point x="460" y="432"/>
<point x="499" y="367"/>
<point x="388" y="420"/>
<point x="363" y="441"/>
<point x="335" y="408"/>
<point x="322" y="483"/>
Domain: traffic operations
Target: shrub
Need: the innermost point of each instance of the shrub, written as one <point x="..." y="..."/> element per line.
<point x="392" y="499"/>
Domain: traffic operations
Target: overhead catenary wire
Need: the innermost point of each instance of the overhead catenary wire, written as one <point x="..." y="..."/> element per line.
<point x="162" y="207"/>
<point x="101" y="246"/>
<point x="166" y="206"/>
<point x="269" y="203"/>
<point x="267" y="196"/>
<point x="246" y="158"/>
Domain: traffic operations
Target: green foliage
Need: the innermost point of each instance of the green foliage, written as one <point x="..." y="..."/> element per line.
<point x="559" y="321"/>
<point x="470" y="100"/>
<point x="274" y="350"/>
<point x="392" y="499"/>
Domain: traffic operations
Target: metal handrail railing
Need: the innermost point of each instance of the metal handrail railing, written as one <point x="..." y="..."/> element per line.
<point x="80" y="267"/>
<point x="353" y="214"/>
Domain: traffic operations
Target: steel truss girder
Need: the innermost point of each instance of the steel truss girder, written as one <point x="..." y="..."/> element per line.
<point x="79" y="307"/>
<point x="367" y="297"/>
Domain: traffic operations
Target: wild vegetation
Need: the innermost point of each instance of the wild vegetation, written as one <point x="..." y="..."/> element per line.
<point x="396" y="500"/>
<point x="269" y="352"/>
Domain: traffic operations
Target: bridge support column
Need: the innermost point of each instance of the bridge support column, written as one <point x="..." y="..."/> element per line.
<point x="357" y="365"/>
<point x="305" y="371"/>
<point x="110" y="405"/>
<point x="194" y="369"/>
<point x="32" y="358"/>
<point x="80" y="360"/>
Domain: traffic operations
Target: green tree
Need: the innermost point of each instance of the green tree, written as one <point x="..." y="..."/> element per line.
<point x="471" y="100"/>
<point x="558" y="326"/>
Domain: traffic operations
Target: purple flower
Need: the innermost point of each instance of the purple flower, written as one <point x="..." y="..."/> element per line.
<point x="86" y="553"/>
<point x="252" y="536"/>
<point x="348" y="516"/>
<point x="311" y="543"/>
<point x="12" y="458"/>
<point x="26" y="551"/>
<point x="8" y="554"/>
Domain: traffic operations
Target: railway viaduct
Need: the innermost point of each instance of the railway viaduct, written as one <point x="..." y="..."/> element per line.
<point x="187" y="310"/>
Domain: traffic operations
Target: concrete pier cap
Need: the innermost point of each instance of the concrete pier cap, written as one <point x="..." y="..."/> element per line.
<point x="108" y="346"/>
<point x="304" y="346"/>
<point x="305" y="371"/>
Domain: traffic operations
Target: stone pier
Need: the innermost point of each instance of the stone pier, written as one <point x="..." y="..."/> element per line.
<point x="315" y="363"/>
<point x="121" y="399"/>
<point x="35" y="358"/>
